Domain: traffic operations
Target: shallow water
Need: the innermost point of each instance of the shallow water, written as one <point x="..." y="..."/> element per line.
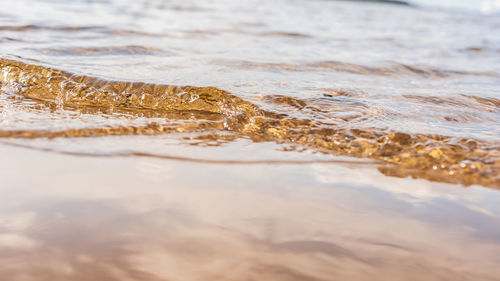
<point x="338" y="114"/>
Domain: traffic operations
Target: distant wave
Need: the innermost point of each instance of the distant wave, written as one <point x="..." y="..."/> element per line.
<point x="481" y="6"/>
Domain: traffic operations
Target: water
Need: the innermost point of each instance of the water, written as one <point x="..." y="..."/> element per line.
<point x="367" y="119"/>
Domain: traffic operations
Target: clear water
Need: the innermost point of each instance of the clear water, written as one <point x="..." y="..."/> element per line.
<point x="359" y="123"/>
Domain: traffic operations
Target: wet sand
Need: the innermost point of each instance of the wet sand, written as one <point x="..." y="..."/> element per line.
<point x="86" y="218"/>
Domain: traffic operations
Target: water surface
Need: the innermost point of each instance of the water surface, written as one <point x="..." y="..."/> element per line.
<point x="249" y="140"/>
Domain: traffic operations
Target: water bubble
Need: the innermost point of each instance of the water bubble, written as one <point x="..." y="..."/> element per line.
<point x="194" y="97"/>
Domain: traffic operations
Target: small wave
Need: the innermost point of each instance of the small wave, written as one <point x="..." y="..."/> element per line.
<point x="112" y="50"/>
<point x="41" y="27"/>
<point x="482" y="6"/>
<point x="198" y="160"/>
<point x="433" y="157"/>
<point x="62" y="28"/>
<point x="338" y="66"/>
<point x="152" y="128"/>
<point x="459" y="101"/>
<point x="395" y="2"/>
